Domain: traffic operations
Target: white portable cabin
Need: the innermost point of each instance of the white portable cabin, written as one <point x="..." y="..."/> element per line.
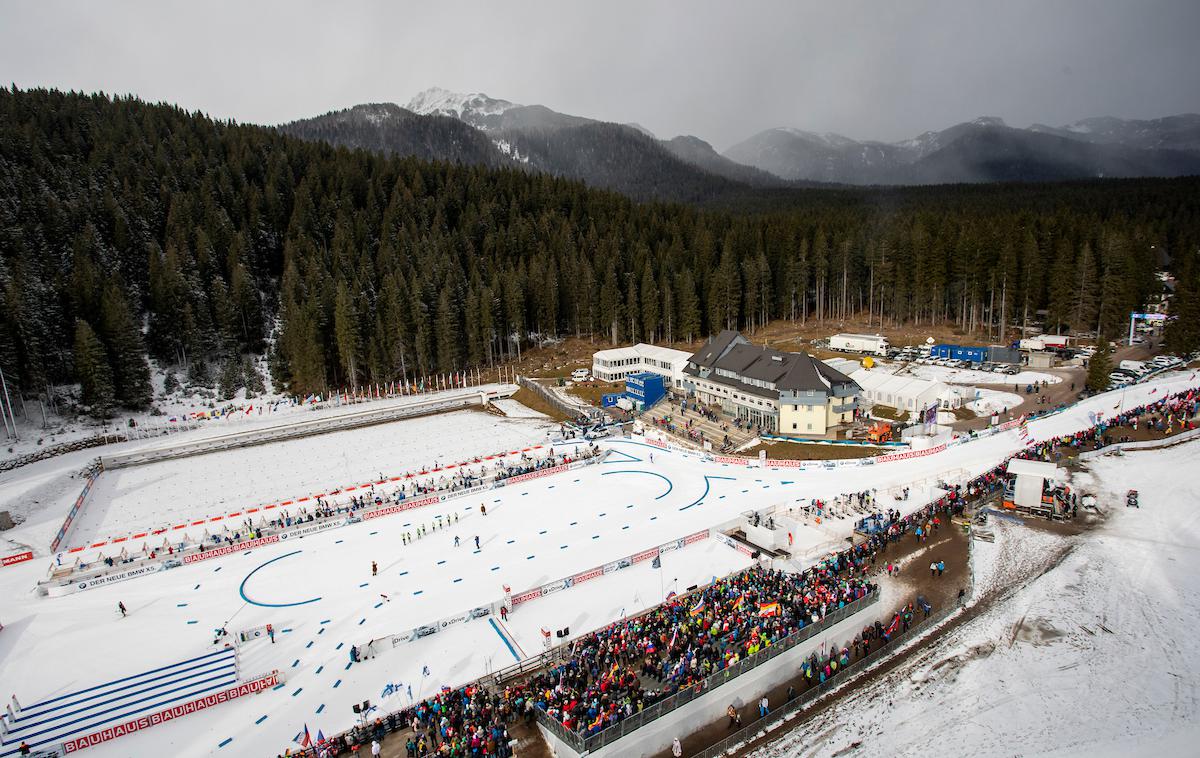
<point x="1030" y="481"/>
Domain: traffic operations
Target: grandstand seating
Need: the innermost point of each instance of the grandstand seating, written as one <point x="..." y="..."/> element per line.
<point x="46" y="724"/>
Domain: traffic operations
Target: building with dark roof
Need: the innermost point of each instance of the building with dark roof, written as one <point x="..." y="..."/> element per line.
<point x="792" y="394"/>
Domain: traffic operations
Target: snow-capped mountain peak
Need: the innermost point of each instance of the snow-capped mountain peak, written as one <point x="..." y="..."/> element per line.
<point x="438" y="101"/>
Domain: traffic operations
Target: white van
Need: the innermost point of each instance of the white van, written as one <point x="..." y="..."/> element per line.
<point x="579" y="375"/>
<point x="1136" y="367"/>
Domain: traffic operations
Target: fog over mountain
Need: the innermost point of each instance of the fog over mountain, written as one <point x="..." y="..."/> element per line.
<point x="480" y="129"/>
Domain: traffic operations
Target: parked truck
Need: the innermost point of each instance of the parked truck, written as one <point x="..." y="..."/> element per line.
<point x="1044" y="342"/>
<point x="871" y="344"/>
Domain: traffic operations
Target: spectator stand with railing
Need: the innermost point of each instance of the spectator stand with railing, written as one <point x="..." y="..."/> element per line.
<point x="592" y="743"/>
<point x="773" y="720"/>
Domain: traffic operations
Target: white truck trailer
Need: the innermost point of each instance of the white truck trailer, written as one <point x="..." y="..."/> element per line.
<point x="871" y="344"/>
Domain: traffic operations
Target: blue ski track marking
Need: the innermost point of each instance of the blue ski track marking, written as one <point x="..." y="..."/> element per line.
<point x="242" y="588"/>
<point x="708" y="480"/>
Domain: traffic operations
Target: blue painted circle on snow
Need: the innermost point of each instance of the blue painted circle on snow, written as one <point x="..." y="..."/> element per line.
<point x="242" y="588"/>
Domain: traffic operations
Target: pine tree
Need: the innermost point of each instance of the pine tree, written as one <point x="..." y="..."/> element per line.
<point x="126" y="351"/>
<point x="1099" y="367"/>
<point x="231" y="378"/>
<point x="94" y="373"/>
<point x="345" y="329"/>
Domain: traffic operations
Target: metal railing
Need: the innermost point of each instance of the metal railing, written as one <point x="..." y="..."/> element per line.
<point x="627" y="726"/>
<point x="773" y="719"/>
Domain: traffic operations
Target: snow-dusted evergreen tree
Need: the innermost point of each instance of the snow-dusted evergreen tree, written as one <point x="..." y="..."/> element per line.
<point x="92" y="369"/>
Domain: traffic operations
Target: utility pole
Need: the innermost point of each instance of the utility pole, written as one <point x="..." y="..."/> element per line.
<point x="8" y="400"/>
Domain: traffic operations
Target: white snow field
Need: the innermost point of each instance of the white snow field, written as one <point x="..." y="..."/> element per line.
<point x="160" y="494"/>
<point x="1094" y="658"/>
<point x="319" y="593"/>
<point x="988" y="401"/>
<point x="971" y="376"/>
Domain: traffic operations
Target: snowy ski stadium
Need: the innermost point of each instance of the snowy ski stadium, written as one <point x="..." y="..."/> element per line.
<point x="386" y="562"/>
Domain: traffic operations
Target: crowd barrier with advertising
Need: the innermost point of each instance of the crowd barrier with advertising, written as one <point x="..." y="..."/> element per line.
<point x="119" y="572"/>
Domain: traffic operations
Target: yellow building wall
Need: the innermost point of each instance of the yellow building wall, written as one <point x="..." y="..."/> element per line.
<point x="817" y="416"/>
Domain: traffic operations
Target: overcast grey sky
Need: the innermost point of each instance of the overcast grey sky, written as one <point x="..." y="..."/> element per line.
<point x="721" y="71"/>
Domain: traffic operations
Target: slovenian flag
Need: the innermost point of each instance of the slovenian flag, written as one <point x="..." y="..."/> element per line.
<point x="768" y="609"/>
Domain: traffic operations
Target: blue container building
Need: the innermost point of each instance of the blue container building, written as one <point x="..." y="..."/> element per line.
<point x="645" y="389"/>
<point x="960" y="353"/>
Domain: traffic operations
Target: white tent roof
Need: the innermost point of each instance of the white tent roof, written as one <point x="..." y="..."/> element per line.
<point x="644" y="350"/>
<point x="1020" y="466"/>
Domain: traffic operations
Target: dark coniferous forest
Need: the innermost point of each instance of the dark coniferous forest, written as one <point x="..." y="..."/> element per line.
<point x="130" y="230"/>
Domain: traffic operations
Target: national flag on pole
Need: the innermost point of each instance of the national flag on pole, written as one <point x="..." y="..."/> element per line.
<point x="670" y="594"/>
<point x="697" y="609"/>
<point x="737" y="604"/>
<point x="320" y="738"/>
<point x="768" y="609"/>
<point x="1023" y="430"/>
<point x="303" y="738"/>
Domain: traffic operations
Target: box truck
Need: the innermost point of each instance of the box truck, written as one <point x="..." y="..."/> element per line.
<point x="871" y="344"/>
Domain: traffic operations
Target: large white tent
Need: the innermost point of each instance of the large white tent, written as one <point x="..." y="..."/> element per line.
<point x="906" y="393"/>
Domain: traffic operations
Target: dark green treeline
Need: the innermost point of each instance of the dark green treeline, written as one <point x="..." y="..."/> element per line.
<point x="129" y="229"/>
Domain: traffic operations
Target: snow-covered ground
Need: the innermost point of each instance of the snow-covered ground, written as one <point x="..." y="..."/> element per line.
<point x="987" y="401"/>
<point x="159" y="494"/>
<point x="513" y="409"/>
<point x="971" y="376"/>
<point x="320" y="587"/>
<point x="1094" y="658"/>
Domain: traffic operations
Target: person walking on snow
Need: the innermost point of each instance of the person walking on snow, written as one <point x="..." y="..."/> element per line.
<point x="941" y="567"/>
<point x="482" y="509"/>
<point x="933" y="569"/>
<point x="456" y="540"/>
<point x="374" y="569"/>
<point x="375" y="748"/>
<point x="477" y="542"/>
<point x="676" y="748"/>
<point x="271" y="633"/>
<point x="763" y="710"/>
<point x="121" y="608"/>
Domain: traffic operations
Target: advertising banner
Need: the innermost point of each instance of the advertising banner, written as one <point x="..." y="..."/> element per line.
<point x="169" y="714"/>
<point x="911" y="454"/>
<point x="534" y="475"/>
<point x="218" y="552"/>
<point x="9" y="560"/>
<point x="406" y="505"/>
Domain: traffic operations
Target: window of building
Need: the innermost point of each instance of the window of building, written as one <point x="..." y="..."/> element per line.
<point x="810" y="427"/>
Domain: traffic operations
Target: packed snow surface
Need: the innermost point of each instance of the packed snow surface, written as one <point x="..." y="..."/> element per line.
<point x="1094" y="658"/>
<point x="319" y="592"/>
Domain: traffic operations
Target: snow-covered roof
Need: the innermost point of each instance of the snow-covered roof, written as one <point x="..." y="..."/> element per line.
<point x="1021" y="466"/>
<point x="643" y="350"/>
<point x="904" y="386"/>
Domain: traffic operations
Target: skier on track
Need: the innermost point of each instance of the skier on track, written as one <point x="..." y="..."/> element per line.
<point x="482" y="509"/>
<point x="477" y="542"/>
<point x="271" y="633"/>
<point x="374" y="569"/>
<point x="121" y="608"/>
<point x="456" y="540"/>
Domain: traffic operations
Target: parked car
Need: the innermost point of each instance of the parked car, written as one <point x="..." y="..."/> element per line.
<point x="579" y="375"/>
